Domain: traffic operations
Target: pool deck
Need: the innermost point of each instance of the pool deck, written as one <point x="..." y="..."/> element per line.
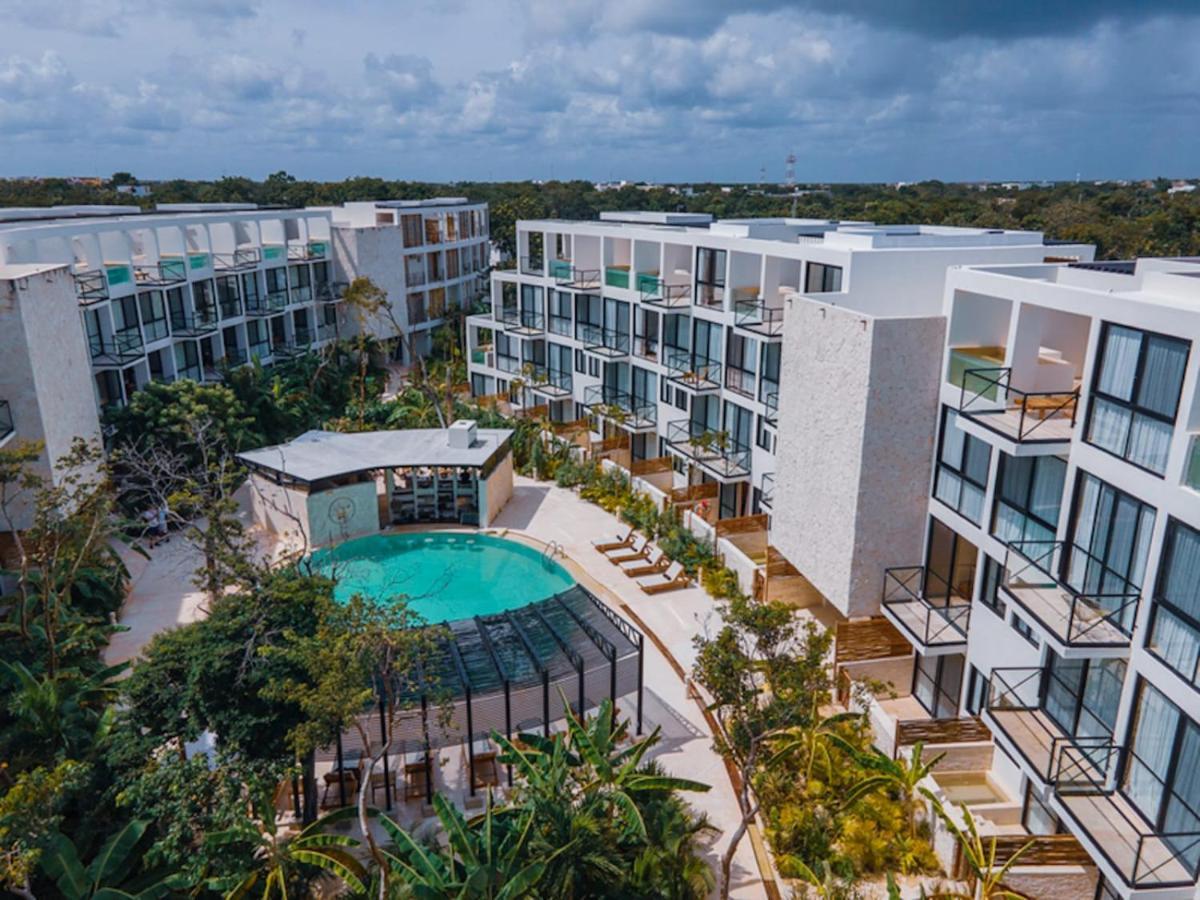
<point x="162" y="597"/>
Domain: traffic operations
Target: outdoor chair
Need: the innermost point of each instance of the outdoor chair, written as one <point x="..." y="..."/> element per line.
<point x="619" y="544"/>
<point x="672" y="580"/>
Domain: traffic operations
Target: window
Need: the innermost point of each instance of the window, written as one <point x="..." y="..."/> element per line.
<point x="1164" y="791"/>
<point x="1136" y="395"/>
<point x="769" y="384"/>
<point x="1110" y="539"/>
<point x="1082" y="695"/>
<point x="962" y="470"/>
<point x="937" y="681"/>
<point x="1023" y="628"/>
<point x="710" y="276"/>
<point x="593" y="367"/>
<point x="154" y="315"/>
<point x="764" y="438"/>
<point x="740" y="359"/>
<point x="821" y="278"/>
<point x="977" y="689"/>
<point x="681" y="399"/>
<point x="1175" y="628"/>
<point x="1028" y="495"/>
<point x="277" y="284"/>
<point x="642" y="382"/>
<point x="300" y="279"/>
<point x="187" y="360"/>
<point x="989" y="591"/>
<point x="227" y="296"/>
<point x="1036" y="816"/>
<point x="560" y="312"/>
<point x="949" y="564"/>
<point x="250" y="289"/>
<point x="202" y="298"/>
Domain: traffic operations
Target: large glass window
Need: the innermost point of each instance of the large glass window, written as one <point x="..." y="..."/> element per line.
<point x="949" y="564"/>
<point x="989" y="590"/>
<point x="1110" y="538"/>
<point x="937" y="683"/>
<point x="710" y="276"/>
<point x="1082" y="695"/>
<point x="821" y="278"/>
<point x="1136" y="395"/>
<point x="154" y="314"/>
<point x="962" y="471"/>
<point x="1175" y="630"/>
<point x="560" y="312"/>
<point x="1161" y="778"/>
<point x="1028" y="496"/>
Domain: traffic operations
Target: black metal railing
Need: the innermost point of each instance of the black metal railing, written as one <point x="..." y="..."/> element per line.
<point x="527" y="321"/>
<point x="766" y="496"/>
<point x="196" y="324"/>
<point x="238" y="260"/>
<point x="740" y="381"/>
<point x="125" y="346"/>
<point x="90" y="286"/>
<point x="553" y="383"/>
<point x="330" y="291"/>
<point x="691" y="371"/>
<point x="277" y="299"/>
<point x="6" y="420"/>
<point x="159" y="275"/>
<point x="604" y="341"/>
<point x="986" y="394"/>
<point x="717" y="451"/>
<point x="756" y="316"/>
<point x="931" y="622"/>
<point x="579" y="279"/>
<point x="770" y="399"/>
<point x="1038" y="577"/>
<point x="657" y="292"/>
<point x="534" y="264"/>
<point x="620" y="407"/>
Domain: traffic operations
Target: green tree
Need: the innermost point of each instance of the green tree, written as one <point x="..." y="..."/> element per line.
<point x="31" y="812"/>
<point x="111" y="874"/>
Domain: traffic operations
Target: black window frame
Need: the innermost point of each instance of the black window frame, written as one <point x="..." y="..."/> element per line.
<point x="824" y="275"/>
<point x="1160" y="603"/>
<point x="1026" y="508"/>
<point x="712" y="276"/>
<point x="989" y="587"/>
<point x="960" y="469"/>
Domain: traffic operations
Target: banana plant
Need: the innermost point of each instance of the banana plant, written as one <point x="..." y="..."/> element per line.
<point x="107" y="877"/>
<point x="980" y="855"/>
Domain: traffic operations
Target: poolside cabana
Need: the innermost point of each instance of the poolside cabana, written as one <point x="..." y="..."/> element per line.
<point x="332" y="486"/>
<point x="514" y="672"/>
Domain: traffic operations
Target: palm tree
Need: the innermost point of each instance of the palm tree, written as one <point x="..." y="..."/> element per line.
<point x="903" y="776"/>
<point x="67" y="713"/>
<point x="979" y="854"/>
<point x="280" y="860"/>
<point x="814" y="739"/>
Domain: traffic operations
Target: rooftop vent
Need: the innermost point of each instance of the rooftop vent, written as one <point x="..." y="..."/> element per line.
<point x="461" y="434"/>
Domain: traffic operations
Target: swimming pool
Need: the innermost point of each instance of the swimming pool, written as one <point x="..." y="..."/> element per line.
<point x="445" y="575"/>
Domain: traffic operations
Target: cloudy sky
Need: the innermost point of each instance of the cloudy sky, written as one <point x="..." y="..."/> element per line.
<point x="672" y="90"/>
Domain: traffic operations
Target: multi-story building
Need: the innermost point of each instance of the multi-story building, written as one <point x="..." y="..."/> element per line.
<point x="1057" y="594"/>
<point x="738" y="350"/>
<point x="429" y="256"/>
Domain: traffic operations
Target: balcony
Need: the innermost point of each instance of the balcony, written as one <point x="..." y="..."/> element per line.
<point x="285" y="351"/>
<point x="90" y="287"/>
<point x="560" y="269"/>
<point x="257" y="307"/>
<point x="715" y="451"/>
<point x="533" y="265"/>
<point x="621" y="408"/>
<point x="1015" y="716"/>
<point x="193" y="325"/>
<point x="696" y="374"/>
<point x="766" y="496"/>
<point x="304" y="252"/>
<point x="1078" y="623"/>
<point x="616" y="276"/>
<point x="121" y="349"/>
<point x="237" y="261"/>
<point x="330" y="291"/>
<point x="740" y="381"/>
<point x="236" y="356"/>
<point x="160" y="275"/>
<point x="656" y="292"/>
<point x="277" y="300"/>
<point x="606" y="342"/>
<point x="484" y="356"/>
<point x="770" y="399"/>
<point x="1114" y="829"/>
<point x="934" y="626"/>
<point x="327" y="331"/>
<point x="6" y="421"/>
<point x="523" y="321"/>
<point x="756" y="317"/>
<point x="577" y="279"/>
<point x="1018" y="417"/>
<point x="118" y="274"/>
<point x="554" y="384"/>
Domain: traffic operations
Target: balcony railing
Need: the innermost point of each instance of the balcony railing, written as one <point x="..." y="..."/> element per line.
<point x="237" y="261"/>
<point x="715" y="451"/>
<point x="621" y="408"/>
<point x="193" y="324"/>
<point x="766" y="497"/>
<point x="159" y="275"/>
<point x="560" y="269"/>
<point x="770" y="399"/>
<point x="327" y="331"/>
<point x="1143" y="855"/>
<point x="931" y="623"/>
<point x="330" y="291"/>
<point x="616" y="276"/>
<point x="606" y="342"/>
<point x="6" y="420"/>
<point x="693" y="372"/>
<point x="277" y="299"/>
<point x="484" y="356"/>
<point x="656" y="292"/>
<point x="1034" y="578"/>
<point x="236" y="356"/>
<point x="122" y="348"/>
<point x="578" y="279"/>
<point x="740" y="381"/>
<point x="754" y="315"/>
<point x="533" y="265"/>
<point x="553" y="383"/>
<point x="90" y="287"/>
<point x="1015" y="712"/>
<point x="259" y="306"/>
<point x="988" y="399"/>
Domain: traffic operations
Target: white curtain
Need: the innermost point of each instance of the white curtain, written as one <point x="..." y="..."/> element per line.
<point x="1149" y="442"/>
<point x="1109" y="426"/>
<point x="1119" y="364"/>
<point x="1152" y="744"/>
<point x="1162" y="375"/>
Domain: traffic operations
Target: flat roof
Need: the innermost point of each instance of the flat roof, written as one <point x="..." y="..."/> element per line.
<point x="317" y="455"/>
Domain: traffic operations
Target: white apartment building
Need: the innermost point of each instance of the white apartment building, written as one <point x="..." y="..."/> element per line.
<point x="1057" y="594"/>
<point x="732" y="352"/>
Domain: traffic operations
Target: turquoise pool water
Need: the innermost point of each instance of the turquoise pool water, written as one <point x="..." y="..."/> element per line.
<point x="444" y="575"/>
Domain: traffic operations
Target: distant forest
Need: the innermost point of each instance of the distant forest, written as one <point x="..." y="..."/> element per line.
<point x="1123" y="221"/>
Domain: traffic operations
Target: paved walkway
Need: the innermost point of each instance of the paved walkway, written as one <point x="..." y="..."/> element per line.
<point x="163" y="596"/>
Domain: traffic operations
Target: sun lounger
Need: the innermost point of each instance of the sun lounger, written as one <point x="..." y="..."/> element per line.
<point x="656" y="567"/>
<point x="619" y="544"/>
<point x="672" y="580"/>
<point x="638" y="552"/>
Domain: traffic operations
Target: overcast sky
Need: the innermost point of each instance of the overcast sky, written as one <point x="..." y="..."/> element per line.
<point x="667" y="90"/>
